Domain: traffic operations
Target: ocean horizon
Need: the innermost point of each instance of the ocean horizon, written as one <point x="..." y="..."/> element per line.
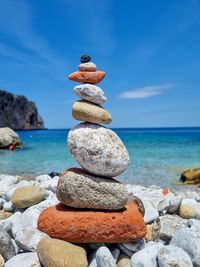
<point x="158" y="155"/>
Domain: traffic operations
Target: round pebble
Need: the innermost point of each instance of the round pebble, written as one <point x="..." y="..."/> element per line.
<point x="98" y="149"/>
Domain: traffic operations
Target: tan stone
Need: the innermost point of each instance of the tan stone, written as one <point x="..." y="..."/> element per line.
<point x="27" y="196"/>
<point x="191" y="176"/>
<point x="58" y="253"/>
<point x="124" y="261"/>
<point x="86" y="111"/>
<point x="149" y="235"/>
<point x="5" y="214"/>
<point x="187" y="212"/>
<point x="1" y="261"/>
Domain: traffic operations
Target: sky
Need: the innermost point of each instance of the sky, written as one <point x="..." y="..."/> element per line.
<point x="150" y="51"/>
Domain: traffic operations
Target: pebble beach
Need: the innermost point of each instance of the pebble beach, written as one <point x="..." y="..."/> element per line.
<point x="171" y="217"/>
<point x="85" y="216"/>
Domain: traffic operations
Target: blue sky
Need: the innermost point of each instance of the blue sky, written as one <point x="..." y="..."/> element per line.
<point x="150" y="51"/>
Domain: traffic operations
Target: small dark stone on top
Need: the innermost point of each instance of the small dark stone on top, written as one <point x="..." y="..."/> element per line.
<point x="53" y="174"/>
<point x="85" y="59"/>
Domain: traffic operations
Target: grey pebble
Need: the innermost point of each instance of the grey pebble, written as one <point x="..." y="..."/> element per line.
<point x="169" y="256"/>
<point x="6" y="247"/>
<point x="104" y="258"/>
<point x="189" y="240"/>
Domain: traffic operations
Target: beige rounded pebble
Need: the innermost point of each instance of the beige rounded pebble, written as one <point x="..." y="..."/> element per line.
<point x="57" y="253"/>
<point x="1" y="261"/>
<point x="27" y="196"/>
<point x="149" y="235"/>
<point x="124" y="261"/>
<point x="86" y="111"/>
<point x="5" y="214"/>
<point x="187" y="212"/>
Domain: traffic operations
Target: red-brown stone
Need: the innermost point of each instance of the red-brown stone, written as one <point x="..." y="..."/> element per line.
<point x="92" y="226"/>
<point x="87" y="76"/>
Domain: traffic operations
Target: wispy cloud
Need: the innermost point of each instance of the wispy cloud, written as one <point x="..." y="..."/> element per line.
<point x="147" y="91"/>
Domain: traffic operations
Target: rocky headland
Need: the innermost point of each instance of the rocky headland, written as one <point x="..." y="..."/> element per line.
<point x="18" y="113"/>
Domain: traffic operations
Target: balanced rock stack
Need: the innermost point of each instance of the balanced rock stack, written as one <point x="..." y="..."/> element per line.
<point x="94" y="207"/>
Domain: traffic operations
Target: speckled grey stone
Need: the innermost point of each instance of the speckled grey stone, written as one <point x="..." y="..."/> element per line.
<point x="170" y="224"/>
<point x="98" y="149"/>
<point x="104" y="258"/>
<point x="79" y="189"/>
<point x="169" y="256"/>
<point x="6" y="247"/>
<point x="174" y="204"/>
<point x="91" y="93"/>
<point x="189" y="240"/>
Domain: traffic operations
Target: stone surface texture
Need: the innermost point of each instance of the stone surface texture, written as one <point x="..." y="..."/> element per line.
<point x="79" y="189"/>
<point x="189" y="240"/>
<point x="91" y="93"/>
<point x="85" y="111"/>
<point x="85" y="226"/>
<point x="6" y="248"/>
<point x="8" y="137"/>
<point x="170" y="224"/>
<point x="151" y="213"/>
<point x="58" y="253"/>
<point x="104" y="258"/>
<point x="98" y="149"/>
<point x="88" y="66"/>
<point x="169" y="256"/>
<point x="147" y="257"/>
<point x="189" y="209"/>
<point x="27" y="196"/>
<point x="124" y="261"/>
<point x="87" y="76"/>
<point x="5" y="214"/>
<point x="174" y="204"/>
<point x="29" y="259"/>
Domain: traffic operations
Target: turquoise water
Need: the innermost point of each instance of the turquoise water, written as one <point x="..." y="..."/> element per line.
<point x="158" y="156"/>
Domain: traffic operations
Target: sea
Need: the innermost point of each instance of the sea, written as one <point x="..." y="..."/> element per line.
<point x="158" y="156"/>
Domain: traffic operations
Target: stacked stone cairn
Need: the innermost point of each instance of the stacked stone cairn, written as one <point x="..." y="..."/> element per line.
<point x="94" y="207"/>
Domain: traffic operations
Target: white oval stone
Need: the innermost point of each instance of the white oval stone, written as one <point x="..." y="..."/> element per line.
<point x="91" y="93"/>
<point x="98" y="149"/>
<point x="88" y="66"/>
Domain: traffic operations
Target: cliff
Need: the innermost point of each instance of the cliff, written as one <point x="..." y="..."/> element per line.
<point x="18" y="113"/>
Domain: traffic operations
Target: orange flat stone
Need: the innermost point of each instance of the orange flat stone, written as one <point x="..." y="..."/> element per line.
<point x="87" y="76"/>
<point x="92" y="226"/>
